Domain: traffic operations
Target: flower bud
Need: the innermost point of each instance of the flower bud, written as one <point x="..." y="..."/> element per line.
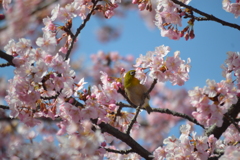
<point x="141" y="6"/>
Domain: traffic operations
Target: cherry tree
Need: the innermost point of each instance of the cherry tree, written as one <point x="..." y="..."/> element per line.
<point x="51" y="111"/>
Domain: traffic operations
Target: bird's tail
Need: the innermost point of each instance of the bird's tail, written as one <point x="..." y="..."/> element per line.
<point x="149" y="109"/>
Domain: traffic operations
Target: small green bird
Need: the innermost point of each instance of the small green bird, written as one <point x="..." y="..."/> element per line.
<point x="136" y="91"/>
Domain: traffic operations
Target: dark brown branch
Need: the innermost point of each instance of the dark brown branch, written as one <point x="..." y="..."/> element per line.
<point x="152" y="86"/>
<point x="80" y="28"/>
<point x="231" y="120"/>
<point x="44" y="119"/>
<point x="5" y="65"/>
<point x="134" y="118"/>
<point x="7" y="57"/>
<point x="118" y="112"/>
<point x="208" y="16"/>
<point x="217" y="131"/>
<point x="4" y="107"/>
<point x="119" y="151"/>
<point x="137" y="148"/>
<point x="168" y="111"/>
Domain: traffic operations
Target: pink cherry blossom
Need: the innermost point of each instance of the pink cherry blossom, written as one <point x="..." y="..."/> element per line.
<point x="47" y="42"/>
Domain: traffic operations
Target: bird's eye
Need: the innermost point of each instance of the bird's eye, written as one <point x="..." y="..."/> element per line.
<point x="132" y="73"/>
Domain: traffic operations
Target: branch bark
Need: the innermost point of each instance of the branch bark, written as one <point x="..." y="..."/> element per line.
<point x="136" y="147"/>
<point x="218" y="131"/>
<point x="7" y="57"/>
<point x="208" y="16"/>
<point x="80" y="28"/>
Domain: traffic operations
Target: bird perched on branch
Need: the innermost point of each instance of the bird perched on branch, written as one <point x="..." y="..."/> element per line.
<point x="136" y="92"/>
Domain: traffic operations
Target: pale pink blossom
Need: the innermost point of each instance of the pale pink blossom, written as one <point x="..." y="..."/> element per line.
<point x="5" y="4"/>
<point x="109" y="14"/>
<point x="48" y="42"/>
<point x="49" y="25"/>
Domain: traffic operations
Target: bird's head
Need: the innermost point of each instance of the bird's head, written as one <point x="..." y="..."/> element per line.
<point x="130" y="80"/>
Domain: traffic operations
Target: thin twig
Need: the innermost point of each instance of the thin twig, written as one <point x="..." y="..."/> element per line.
<point x="4" y="107"/>
<point x="118" y="113"/>
<point x="5" y="64"/>
<point x="136" y="147"/>
<point x="140" y="106"/>
<point x="208" y="16"/>
<point x="177" y="114"/>
<point x="80" y="28"/>
<point x="119" y="151"/>
<point x="7" y="57"/>
<point x="134" y="119"/>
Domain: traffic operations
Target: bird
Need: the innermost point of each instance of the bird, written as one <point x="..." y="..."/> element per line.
<point x="135" y="91"/>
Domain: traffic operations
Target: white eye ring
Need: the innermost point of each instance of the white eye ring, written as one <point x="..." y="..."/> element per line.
<point x="132" y="73"/>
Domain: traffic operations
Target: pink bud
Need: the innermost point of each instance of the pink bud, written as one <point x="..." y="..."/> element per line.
<point x="52" y="76"/>
<point x="141" y="6"/>
<point x="134" y="1"/>
<point x="103" y="144"/>
<point x="52" y="27"/>
<point x="192" y="35"/>
<point x="122" y="70"/>
<point x="181" y="34"/>
<point x="109" y="14"/>
<point x="182" y="13"/>
<point x="112" y="101"/>
<point x="2" y="16"/>
<point x="71" y="100"/>
<point x="186" y="36"/>
<point x="93" y="95"/>
<point x="63" y="50"/>
<point x="48" y="59"/>
<point x="112" y="107"/>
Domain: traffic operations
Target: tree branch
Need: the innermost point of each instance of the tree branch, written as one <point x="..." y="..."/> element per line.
<point x="168" y="111"/>
<point x="80" y="28"/>
<point x="7" y="57"/>
<point x="140" y="106"/>
<point x="217" y="131"/>
<point x="137" y="148"/>
<point x="208" y="16"/>
<point x="119" y="151"/>
<point x="4" y="107"/>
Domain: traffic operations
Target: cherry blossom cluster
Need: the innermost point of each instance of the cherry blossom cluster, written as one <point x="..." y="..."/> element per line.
<point x="22" y="21"/>
<point x="75" y="145"/>
<point x="172" y="69"/>
<point x="169" y="16"/>
<point x="213" y="101"/>
<point x="188" y="146"/>
<point x="143" y="4"/>
<point x="232" y="66"/>
<point x="230" y="143"/>
<point x="111" y="63"/>
<point x="233" y="8"/>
